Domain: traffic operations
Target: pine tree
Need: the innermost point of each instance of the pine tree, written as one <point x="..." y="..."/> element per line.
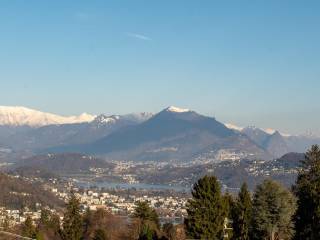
<point x="206" y="210"/>
<point x="45" y="218"/>
<point x="272" y="212"/>
<point x="6" y="222"/>
<point x="145" y="213"/>
<point x="100" y="234"/>
<point x="149" y="221"/>
<point x="28" y="229"/>
<point x="148" y="232"/>
<point x="169" y="230"/>
<point x="241" y="214"/>
<point x="307" y="191"/>
<point x="72" y="222"/>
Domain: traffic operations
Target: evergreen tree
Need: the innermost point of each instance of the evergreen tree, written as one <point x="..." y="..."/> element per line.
<point x="148" y="232"/>
<point x="100" y="234"/>
<point x="72" y="221"/>
<point x="145" y="213"/>
<point x="272" y="212"/>
<point x="241" y="214"/>
<point x="307" y="191"/>
<point x="28" y="229"/>
<point x="169" y="230"/>
<point x="5" y="224"/>
<point x="206" y="210"/>
<point x="45" y="218"/>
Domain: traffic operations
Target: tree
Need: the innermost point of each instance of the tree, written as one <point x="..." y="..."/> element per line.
<point x="148" y="232"/>
<point x="100" y="234"/>
<point x="206" y="210"/>
<point x="241" y="214"/>
<point x="6" y="222"/>
<point x="307" y="191"/>
<point x="28" y="229"/>
<point x="169" y="230"/>
<point x="173" y="232"/>
<point x="149" y="221"/>
<point x="72" y="221"/>
<point x="272" y="212"/>
<point x="48" y="226"/>
<point x="145" y="213"/>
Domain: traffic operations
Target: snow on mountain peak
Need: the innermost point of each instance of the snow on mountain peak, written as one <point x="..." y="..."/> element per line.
<point x="176" y="109"/>
<point x="103" y="119"/>
<point x="270" y="131"/>
<point x="234" y="127"/>
<point x="22" y="116"/>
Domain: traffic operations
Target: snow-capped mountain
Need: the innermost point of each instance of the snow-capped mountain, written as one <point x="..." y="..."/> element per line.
<point x="22" y="116"/>
<point x="176" y="109"/>
<point x="233" y="127"/>
<point x="22" y="128"/>
<point x="173" y="133"/>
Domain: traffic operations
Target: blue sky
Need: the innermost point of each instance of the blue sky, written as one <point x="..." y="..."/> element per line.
<point x="245" y="62"/>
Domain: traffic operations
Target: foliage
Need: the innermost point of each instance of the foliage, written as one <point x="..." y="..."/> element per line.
<point x="148" y="231"/>
<point x="72" y="222"/>
<point x="28" y="229"/>
<point x="100" y="234"/>
<point x="169" y="230"/>
<point x="307" y="191"/>
<point x="144" y="212"/>
<point x="206" y="210"/>
<point x="241" y="214"/>
<point x="273" y="208"/>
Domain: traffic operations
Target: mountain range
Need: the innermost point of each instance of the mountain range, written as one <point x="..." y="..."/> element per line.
<point x="171" y="134"/>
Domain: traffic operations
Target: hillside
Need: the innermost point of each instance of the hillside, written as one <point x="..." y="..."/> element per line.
<point x="65" y="163"/>
<point x="16" y="193"/>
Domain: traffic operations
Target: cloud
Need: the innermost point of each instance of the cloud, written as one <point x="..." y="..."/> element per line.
<point x="138" y="36"/>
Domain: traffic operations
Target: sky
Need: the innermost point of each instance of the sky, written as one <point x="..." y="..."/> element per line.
<point x="243" y="62"/>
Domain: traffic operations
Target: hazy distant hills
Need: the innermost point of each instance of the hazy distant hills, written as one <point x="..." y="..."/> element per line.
<point x="277" y="144"/>
<point x="274" y="143"/>
<point x="173" y="133"/>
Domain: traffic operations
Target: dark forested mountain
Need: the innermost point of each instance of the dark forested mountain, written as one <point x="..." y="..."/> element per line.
<point x="171" y="134"/>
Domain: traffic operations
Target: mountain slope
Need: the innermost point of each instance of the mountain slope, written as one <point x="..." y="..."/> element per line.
<point x="22" y="116"/>
<point x="276" y="145"/>
<point x="64" y="163"/>
<point x="17" y="193"/>
<point x="257" y="135"/>
<point x="69" y="134"/>
<point x="171" y="134"/>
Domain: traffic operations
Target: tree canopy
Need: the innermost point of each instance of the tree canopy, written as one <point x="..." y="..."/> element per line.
<point x="206" y="210"/>
<point x="307" y="190"/>
<point x="272" y="212"/>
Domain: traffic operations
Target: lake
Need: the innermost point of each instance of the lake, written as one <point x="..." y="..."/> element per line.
<point x="112" y="185"/>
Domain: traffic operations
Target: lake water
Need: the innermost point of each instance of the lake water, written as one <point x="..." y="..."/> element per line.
<point x="111" y="185"/>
